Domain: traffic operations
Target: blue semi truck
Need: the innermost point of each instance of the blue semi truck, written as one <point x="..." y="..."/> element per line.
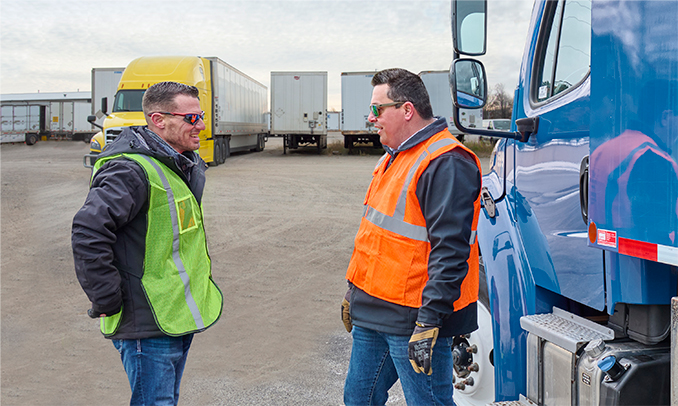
<point x="578" y="232"/>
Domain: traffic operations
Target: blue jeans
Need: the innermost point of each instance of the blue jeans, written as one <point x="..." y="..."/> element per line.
<point x="154" y="368"/>
<point x="378" y="360"/>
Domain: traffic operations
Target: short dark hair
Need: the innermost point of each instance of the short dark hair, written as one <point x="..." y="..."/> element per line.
<point x="160" y="96"/>
<point x="403" y="86"/>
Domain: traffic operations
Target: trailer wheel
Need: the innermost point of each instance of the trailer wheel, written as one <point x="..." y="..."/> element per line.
<point x="31" y="139"/>
<point x="473" y="356"/>
<point x="216" y="154"/>
<point x="226" y="148"/>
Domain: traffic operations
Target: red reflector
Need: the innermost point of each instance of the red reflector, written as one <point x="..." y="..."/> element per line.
<point x="638" y="249"/>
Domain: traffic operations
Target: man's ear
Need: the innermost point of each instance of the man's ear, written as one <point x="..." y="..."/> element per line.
<point x="408" y="108"/>
<point x="157" y="120"/>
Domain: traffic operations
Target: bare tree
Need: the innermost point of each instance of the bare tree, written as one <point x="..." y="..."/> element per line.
<point x="500" y="103"/>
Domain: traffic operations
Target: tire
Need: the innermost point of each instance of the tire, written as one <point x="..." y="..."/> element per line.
<point x="216" y="154"/>
<point x="227" y="147"/>
<point x="31" y="139"/>
<point x="482" y="390"/>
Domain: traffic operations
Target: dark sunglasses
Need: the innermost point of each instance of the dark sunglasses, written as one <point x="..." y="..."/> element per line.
<point x="190" y="118"/>
<point x="376" y="108"/>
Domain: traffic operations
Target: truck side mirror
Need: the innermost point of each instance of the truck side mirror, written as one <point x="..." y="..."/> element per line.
<point x="91" y="119"/>
<point x="104" y="105"/>
<point x="469" y="19"/>
<point x="467" y="84"/>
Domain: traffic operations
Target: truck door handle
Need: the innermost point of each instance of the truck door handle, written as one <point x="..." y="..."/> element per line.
<point x="584" y="189"/>
<point x="488" y="202"/>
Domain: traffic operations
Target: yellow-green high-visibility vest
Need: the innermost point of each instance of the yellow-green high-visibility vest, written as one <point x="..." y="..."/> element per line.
<point x="177" y="276"/>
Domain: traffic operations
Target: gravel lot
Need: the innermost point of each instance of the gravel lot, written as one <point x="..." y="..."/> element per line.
<point x="280" y="233"/>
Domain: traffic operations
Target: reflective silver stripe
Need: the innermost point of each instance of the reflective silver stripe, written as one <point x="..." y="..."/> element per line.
<point x="197" y="317"/>
<point x="397" y="226"/>
<point x="402" y="199"/>
<point x="397" y="223"/>
<point x="472" y="240"/>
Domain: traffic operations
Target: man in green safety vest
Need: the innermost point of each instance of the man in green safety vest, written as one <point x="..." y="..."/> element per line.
<point x="139" y="243"/>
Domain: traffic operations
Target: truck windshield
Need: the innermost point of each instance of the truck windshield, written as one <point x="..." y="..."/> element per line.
<point x="504" y="125"/>
<point x="128" y="100"/>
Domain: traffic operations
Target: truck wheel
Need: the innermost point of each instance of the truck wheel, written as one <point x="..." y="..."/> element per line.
<point x="216" y="154"/>
<point x="226" y="150"/>
<point x="222" y="152"/>
<point x="474" y="371"/>
<point x="31" y="139"/>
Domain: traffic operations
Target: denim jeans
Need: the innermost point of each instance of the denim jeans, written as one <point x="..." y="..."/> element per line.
<point x="378" y="360"/>
<point x="154" y="368"/>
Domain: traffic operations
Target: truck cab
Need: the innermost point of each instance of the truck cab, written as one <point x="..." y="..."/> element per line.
<point x="578" y="232"/>
<point x="234" y="104"/>
<point x="140" y="74"/>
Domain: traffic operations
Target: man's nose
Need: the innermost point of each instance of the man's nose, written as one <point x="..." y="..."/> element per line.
<point x="372" y="118"/>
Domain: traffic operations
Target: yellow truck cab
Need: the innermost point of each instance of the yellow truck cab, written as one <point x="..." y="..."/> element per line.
<point x="234" y="104"/>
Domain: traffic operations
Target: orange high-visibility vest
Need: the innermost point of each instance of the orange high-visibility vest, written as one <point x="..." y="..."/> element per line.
<point x="390" y="258"/>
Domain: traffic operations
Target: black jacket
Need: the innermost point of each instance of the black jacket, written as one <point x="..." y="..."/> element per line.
<point x="446" y="191"/>
<point x="109" y="231"/>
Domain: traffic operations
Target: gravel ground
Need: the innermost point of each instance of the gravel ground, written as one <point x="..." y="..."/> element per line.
<point x="280" y="233"/>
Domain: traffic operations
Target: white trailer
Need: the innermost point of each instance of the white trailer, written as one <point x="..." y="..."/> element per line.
<point x="333" y="120"/>
<point x="356" y="93"/>
<point x="438" y="87"/>
<point x="29" y="117"/>
<point x="240" y="106"/>
<point x="104" y="85"/>
<point x="299" y="108"/>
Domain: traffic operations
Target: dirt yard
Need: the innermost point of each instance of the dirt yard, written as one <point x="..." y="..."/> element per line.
<point x="280" y="233"/>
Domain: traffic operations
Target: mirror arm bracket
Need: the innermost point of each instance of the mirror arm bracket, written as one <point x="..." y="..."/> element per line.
<point x="526" y="127"/>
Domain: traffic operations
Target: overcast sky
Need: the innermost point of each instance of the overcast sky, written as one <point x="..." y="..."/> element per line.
<point x="52" y="46"/>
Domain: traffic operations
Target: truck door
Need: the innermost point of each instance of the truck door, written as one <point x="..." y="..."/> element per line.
<point x="556" y="90"/>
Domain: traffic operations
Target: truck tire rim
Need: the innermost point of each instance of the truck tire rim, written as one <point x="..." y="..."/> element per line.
<point x="473" y="369"/>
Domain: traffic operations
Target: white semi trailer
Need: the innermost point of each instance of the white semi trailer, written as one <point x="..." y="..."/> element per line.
<point x="356" y="93"/>
<point x="28" y="117"/>
<point x="104" y="85"/>
<point x="299" y="108"/>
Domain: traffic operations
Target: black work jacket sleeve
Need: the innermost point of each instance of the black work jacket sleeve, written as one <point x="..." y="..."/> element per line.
<point x="118" y="193"/>
<point x="446" y="191"/>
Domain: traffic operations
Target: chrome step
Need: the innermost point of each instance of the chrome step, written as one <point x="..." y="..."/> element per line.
<point x="523" y="401"/>
<point x="565" y="329"/>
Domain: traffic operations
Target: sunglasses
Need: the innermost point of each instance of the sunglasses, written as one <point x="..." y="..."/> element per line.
<point x="376" y="108"/>
<point x="190" y="118"/>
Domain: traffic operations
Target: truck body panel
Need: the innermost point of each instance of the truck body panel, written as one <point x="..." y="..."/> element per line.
<point x="239" y="103"/>
<point x="586" y="207"/>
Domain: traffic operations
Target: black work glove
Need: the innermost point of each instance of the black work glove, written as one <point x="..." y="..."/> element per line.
<point x="345" y="311"/>
<point x="95" y="315"/>
<point x="420" y="348"/>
